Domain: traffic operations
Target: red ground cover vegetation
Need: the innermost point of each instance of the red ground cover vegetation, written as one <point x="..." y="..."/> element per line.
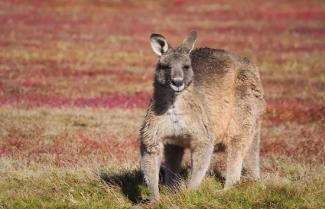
<point x="124" y="101"/>
<point x="282" y="110"/>
<point x="67" y="150"/>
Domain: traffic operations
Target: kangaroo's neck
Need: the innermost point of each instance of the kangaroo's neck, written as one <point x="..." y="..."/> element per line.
<point x="164" y="98"/>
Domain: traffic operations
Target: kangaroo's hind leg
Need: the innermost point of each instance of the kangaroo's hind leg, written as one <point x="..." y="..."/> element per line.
<point x="239" y="141"/>
<point x="200" y="161"/>
<point x="234" y="165"/>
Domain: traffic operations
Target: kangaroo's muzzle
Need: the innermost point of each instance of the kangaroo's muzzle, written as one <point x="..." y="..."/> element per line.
<point x="177" y="84"/>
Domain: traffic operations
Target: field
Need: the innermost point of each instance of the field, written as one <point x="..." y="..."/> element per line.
<point x="76" y="78"/>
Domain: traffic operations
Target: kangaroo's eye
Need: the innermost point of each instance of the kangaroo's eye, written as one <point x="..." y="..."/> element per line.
<point x="164" y="66"/>
<point x="186" y="67"/>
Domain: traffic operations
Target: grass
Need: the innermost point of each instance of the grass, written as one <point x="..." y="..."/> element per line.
<point x="48" y="187"/>
<point x="76" y="77"/>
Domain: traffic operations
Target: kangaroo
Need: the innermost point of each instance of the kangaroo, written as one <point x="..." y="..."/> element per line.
<point x="201" y="98"/>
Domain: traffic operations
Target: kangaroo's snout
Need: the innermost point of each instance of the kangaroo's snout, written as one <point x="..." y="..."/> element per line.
<point x="178" y="82"/>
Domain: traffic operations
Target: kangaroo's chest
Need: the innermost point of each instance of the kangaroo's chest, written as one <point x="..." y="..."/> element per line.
<point x="175" y="121"/>
<point x="176" y="126"/>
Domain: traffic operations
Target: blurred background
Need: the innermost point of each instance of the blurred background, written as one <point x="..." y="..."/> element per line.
<point x="76" y="76"/>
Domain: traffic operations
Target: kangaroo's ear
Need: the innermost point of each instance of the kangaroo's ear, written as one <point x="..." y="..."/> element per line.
<point x="189" y="41"/>
<point x="159" y="44"/>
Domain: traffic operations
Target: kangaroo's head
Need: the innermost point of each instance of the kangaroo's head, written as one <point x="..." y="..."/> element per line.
<point x="174" y="69"/>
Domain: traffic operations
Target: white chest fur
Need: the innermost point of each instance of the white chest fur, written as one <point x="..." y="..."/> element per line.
<point x="174" y="123"/>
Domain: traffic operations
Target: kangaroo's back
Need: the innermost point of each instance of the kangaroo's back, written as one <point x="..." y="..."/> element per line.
<point x="225" y="80"/>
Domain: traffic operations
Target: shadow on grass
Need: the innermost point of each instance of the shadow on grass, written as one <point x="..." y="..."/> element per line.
<point x="128" y="181"/>
<point x="218" y="176"/>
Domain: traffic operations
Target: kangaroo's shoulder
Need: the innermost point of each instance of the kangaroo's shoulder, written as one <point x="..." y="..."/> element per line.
<point x="216" y="62"/>
<point x="214" y="59"/>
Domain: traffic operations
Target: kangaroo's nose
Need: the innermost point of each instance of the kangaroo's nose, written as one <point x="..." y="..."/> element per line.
<point x="177" y="82"/>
